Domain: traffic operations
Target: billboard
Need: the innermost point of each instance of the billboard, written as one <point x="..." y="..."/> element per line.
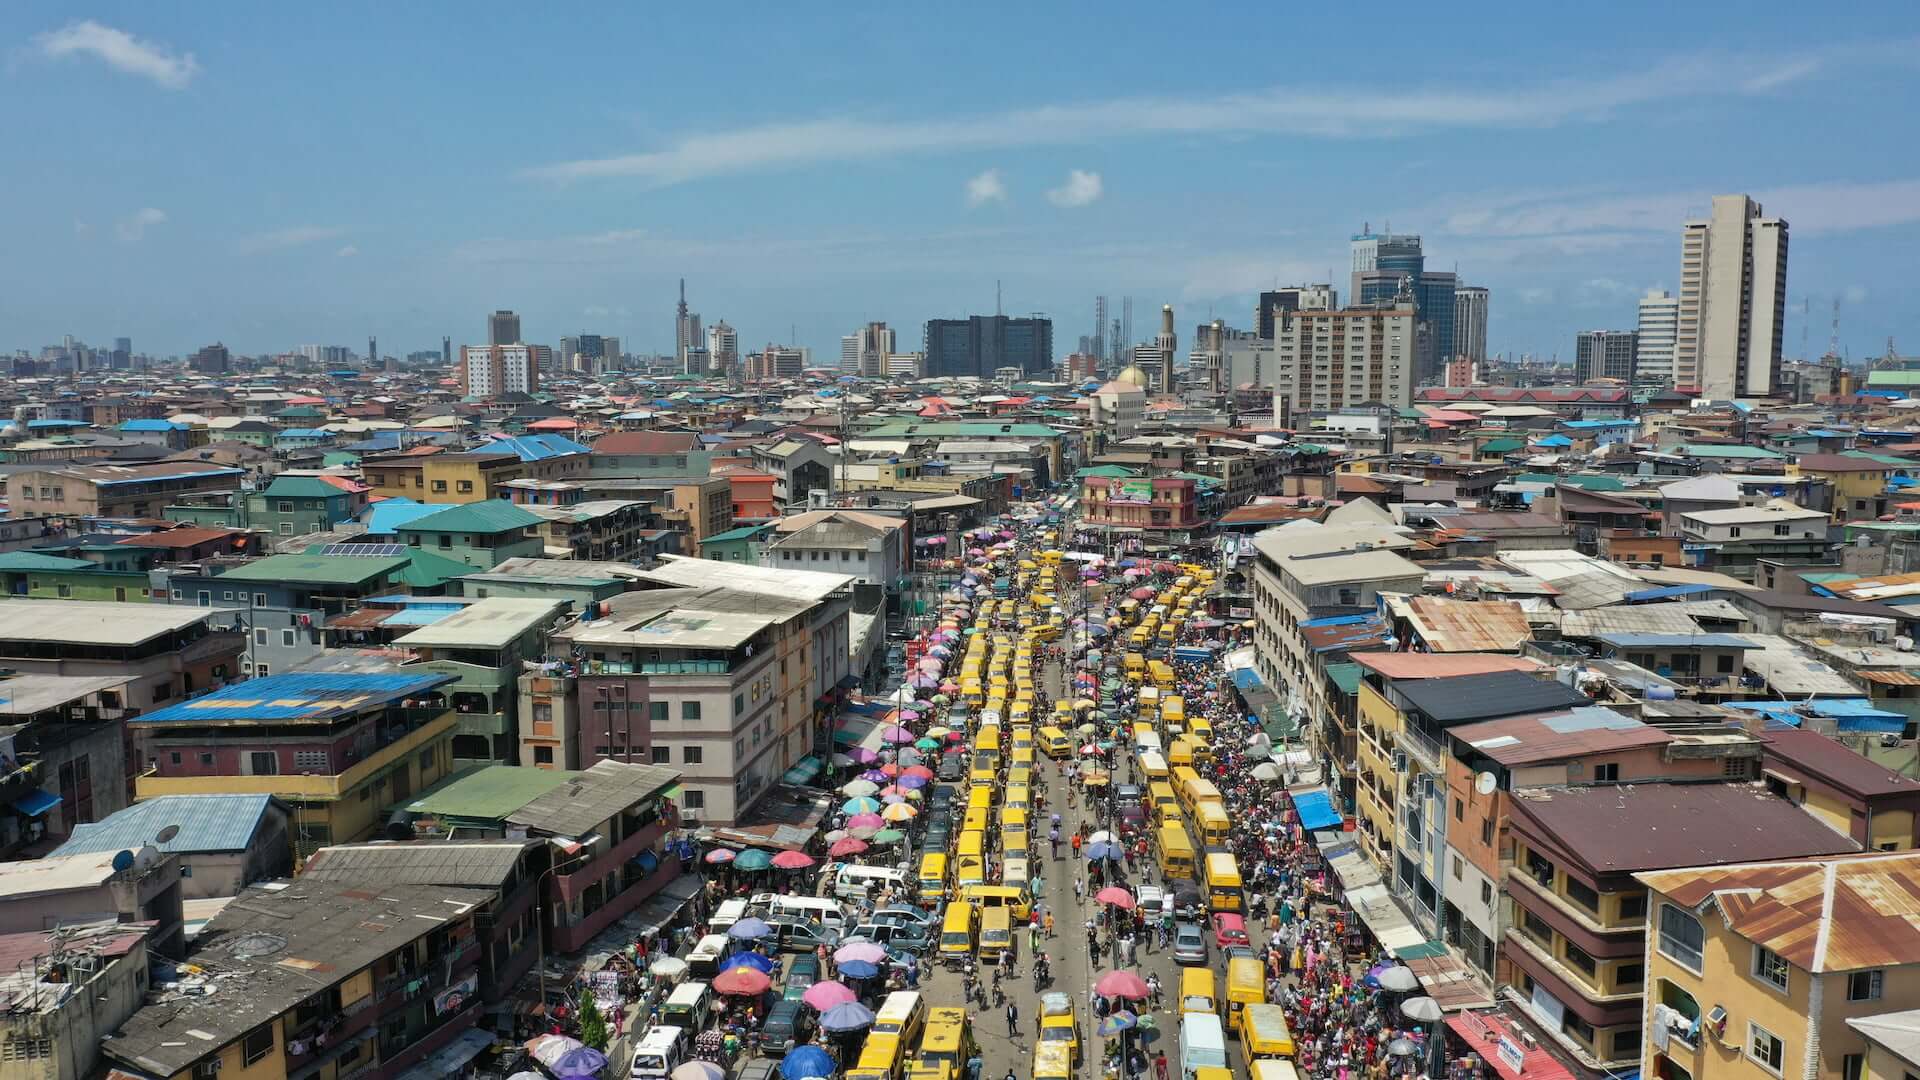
<point x="1130" y="491"/>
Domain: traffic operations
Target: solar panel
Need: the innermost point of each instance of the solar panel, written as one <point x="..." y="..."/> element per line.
<point x="365" y="551"/>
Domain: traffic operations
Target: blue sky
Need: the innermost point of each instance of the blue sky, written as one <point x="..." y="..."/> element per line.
<point x="270" y="175"/>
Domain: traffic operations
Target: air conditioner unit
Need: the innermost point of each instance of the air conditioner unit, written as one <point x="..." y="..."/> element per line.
<point x="1890" y="739"/>
<point x="1399" y="761"/>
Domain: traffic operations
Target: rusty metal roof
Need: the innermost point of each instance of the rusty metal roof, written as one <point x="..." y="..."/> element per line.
<point x="1526" y="740"/>
<point x="1406" y="665"/>
<point x="1822" y="915"/>
<point x="1456" y="626"/>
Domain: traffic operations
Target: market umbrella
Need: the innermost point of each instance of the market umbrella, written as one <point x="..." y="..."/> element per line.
<point x="938" y="731"/>
<point x="1121" y="984"/>
<point x="1087" y="729"/>
<point x="807" y="1062"/>
<point x="863" y="756"/>
<point x="908" y="759"/>
<point x="1096" y="778"/>
<point x="822" y="996"/>
<point x="868" y="818"/>
<point x="760" y="962"/>
<point x="1259" y="753"/>
<point x="912" y="782"/>
<point x="1115" y="896"/>
<point x="1424" y="1009"/>
<point x="1400" y="980"/>
<point x="899" y="812"/>
<point x="870" y="951"/>
<point x="668" y="967"/>
<point x="850" y="845"/>
<point x="863" y="832"/>
<point x="793" y="860"/>
<point x="719" y="855"/>
<point x="840" y="761"/>
<point x="928" y="743"/>
<point x="1402" y="1047"/>
<point x="1116" y="1022"/>
<point x="876" y="775"/>
<point x="841" y="1019"/>
<point x="527" y="1075"/>
<point x="1096" y="852"/>
<point x="698" y="1070"/>
<point x="749" y="929"/>
<point x="1266" y="770"/>
<point x="752" y="859"/>
<point x="580" y="1061"/>
<point x="1101" y="837"/>
<point x="858" y="969"/>
<point x="741" y="982"/>
<point x="917" y="772"/>
<point x="855" y="808"/>
<point x="888" y="836"/>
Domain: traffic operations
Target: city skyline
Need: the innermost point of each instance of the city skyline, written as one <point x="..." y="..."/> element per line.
<point x="1031" y="181"/>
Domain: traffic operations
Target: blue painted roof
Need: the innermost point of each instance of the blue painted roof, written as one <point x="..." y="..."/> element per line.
<point x="1849" y="714"/>
<point x="207" y="823"/>
<point x="535" y="447"/>
<point x="387" y="515"/>
<point x="150" y="425"/>
<point x="1677" y="641"/>
<point x="1553" y="440"/>
<point x="1246" y="678"/>
<point x="1316" y="809"/>
<point x="297" y="696"/>
<point x="41" y="424"/>
<point x="1668" y="590"/>
<point x="306" y="433"/>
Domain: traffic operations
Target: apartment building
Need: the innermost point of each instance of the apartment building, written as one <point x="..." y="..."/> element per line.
<point x="163" y="653"/>
<point x="483" y="646"/>
<point x="1331" y="360"/>
<point x="113" y="491"/>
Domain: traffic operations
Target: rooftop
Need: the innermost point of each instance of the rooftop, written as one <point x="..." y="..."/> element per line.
<point x="1621" y="828"/>
<point x="700" y="618"/>
<point x="274" y="947"/>
<point x="299" y="697"/>
<point x="315" y="569"/>
<point x="492" y="623"/>
<point x="1465" y="698"/>
<point x="1800" y="751"/>
<point x="578" y="806"/>
<point x="203" y="823"/>
<point x="1528" y="740"/>
<point x="487" y="792"/>
<point x="1409" y="665"/>
<point x="48" y="875"/>
<point x="96" y="622"/>
<point x="1450" y="626"/>
<point x="475" y="863"/>
<point x="485" y="516"/>
<point x="708" y="573"/>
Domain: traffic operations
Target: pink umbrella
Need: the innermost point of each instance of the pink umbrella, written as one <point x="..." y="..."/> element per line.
<point x="847" y="846"/>
<point x="1121" y="984"/>
<point x="742" y="981"/>
<point x="920" y="771"/>
<point x="1116" y="896"/>
<point x="719" y="855"/>
<point x="822" y="996"/>
<point x="894" y="733"/>
<point x="793" y="860"/>
<point x="862" y="755"/>
<point x="866" y="821"/>
<point x="869" y="951"/>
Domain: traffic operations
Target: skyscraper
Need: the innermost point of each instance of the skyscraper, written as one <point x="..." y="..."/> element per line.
<point x="1292" y="298"/>
<point x="979" y="344"/>
<point x="373" y="351"/>
<point x="446" y="350"/>
<point x="487" y="371"/>
<point x="1733" y="301"/>
<point x="1367" y="358"/>
<point x="872" y="344"/>
<point x="1470" y="324"/>
<point x="1381" y="265"/>
<point x="1659" y="319"/>
<point x="687" y="337"/>
<point x="503" y="328"/>
<point x="1604" y="354"/>
<point x="723" y="347"/>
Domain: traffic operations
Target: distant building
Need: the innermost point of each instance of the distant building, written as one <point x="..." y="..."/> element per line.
<point x="1470" y="324"/>
<point x="214" y="359"/>
<point x="93" y="491"/>
<point x="503" y="328"/>
<point x="1605" y="354"/>
<point x="488" y="371"/>
<point x="1294" y="298"/>
<point x="1733" y="300"/>
<point x="723" y="348"/>
<point x="979" y="344"/>
<point x="1659" y="323"/>
<point x="1368" y="358"/>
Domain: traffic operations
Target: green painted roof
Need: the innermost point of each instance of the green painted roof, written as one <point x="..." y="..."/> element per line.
<point x="301" y="487"/>
<point x="488" y="792"/>
<point x="1503" y="446"/>
<point x="1881" y="459"/>
<point x="1708" y="450"/>
<point x="1594" y="483"/>
<point x="485" y="516"/>
<point x="1118" y="472"/>
<point x="744" y="532"/>
<point x="1821" y="577"/>
<point x="1200" y="480"/>
<point x="1345" y="676"/>
<point x="27" y="560"/>
<point x="1893" y="378"/>
<point x="425" y="570"/>
<point x="312" y="569"/>
<point x="339" y="457"/>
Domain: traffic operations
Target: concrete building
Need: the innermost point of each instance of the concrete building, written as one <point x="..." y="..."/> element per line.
<point x="1658" y="328"/>
<point x="224" y="843"/>
<point x="1159" y="505"/>
<point x="95" y="491"/>
<point x="1470" y="324"/>
<point x="480" y="534"/>
<point x="1332" y="360"/>
<point x="980" y="344"/>
<point x="503" y="328"/>
<point x="483" y="646"/>
<point x="66" y="992"/>
<point x="723" y="348"/>
<point x="870" y="548"/>
<point x="40" y="894"/>
<point x="1295" y="298"/>
<point x="1733" y="300"/>
<point x="1605" y="354"/>
<point x="164" y="653"/>
<point x="488" y="371"/>
<point x="1118" y="407"/>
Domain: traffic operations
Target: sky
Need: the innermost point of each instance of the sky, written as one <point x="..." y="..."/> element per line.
<point x="271" y="175"/>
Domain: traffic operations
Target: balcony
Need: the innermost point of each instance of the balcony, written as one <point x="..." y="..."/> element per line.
<point x="1681" y="1015"/>
<point x="322" y="788"/>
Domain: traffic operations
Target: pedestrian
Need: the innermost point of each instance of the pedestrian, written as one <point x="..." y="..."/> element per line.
<point x="976" y="1066"/>
<point x="1013" y="1020"/>
<point x="1049" y="923"/>
<point x="1160" y="1066"/>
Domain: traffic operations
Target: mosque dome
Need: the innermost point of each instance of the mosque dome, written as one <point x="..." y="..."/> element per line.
<point x="1132" y="374"/>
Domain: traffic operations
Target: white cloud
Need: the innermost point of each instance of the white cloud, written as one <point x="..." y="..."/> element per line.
<point x="988" y="187"/>
<point x="1362" y="113"/>
<point x="1082" y="188"/>
<point x="1605" y="293"/>
<point x="282" y="239"/>
<point x="347" y="251"/>
<point x="1535" y="295"/>
<point x="135" y="227"/>
<point x="121" y="51"/>
<point x="1855" y="295"/>
<point x="616" y="236"/>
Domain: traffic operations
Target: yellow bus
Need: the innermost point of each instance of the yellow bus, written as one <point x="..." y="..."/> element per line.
<point x="1139" y="638"/>
<point x="1153" y="765"/>
<point x="1175" y="851"/>
<point x="1246" y="985"/>
<point x="1197" y="993"/>
<point x="945" y="1047"/>
<point x="1196" y="791"/>
<point x="1215" y="829"/>
<point x="1135" y="667"/>
<point x="1166" y="805"/>
<point x="1057" y="743"/>
<point x="1264" y="1032"/>
<point x="956" y="933"/>
<point x="933" y="877"/>
<point x="1161" y="673"/>
<point x="1182" y="775"/>
<point x="1173" y="712"/>
<point x="896" y="1026"/>
<point x="970" y="860"/>
<point x="1180" y="753"/>
<point x="1222" y="884"/>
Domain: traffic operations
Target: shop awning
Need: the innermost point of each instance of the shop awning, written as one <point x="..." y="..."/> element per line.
<point x="1384" y="918"/>
<point x="36" y="803"/>
<point x="1503" y="1048"/>
<point x="1316" y="811"/>
<point x="1349" y="863"/>
<point x="451" y="1058"/>
<point x="804" y="772"/>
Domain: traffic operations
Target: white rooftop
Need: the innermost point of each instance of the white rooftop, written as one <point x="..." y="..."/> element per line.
<point x="703" y="573"/>
<point x="94" y="622"/>
<point x="492" y="623"/>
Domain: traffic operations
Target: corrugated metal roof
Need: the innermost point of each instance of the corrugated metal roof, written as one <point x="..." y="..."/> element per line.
<point x="206" y="823"/>
<point x="488" y="792"/>
<point x="591" y="797"/>
<point x="1452" y="626"/>
<point x="1821" y="915"/>
<point x="1676" y="641"/>
<point x="297" y="696"/>
<point x="1402" y="665"/>
<point x="317" y="569"/>
<point x="1522" y="740"/>
<point x="482" y="863"/>
<point x="1621" y="828"/>
<point x="1465" y="698"/>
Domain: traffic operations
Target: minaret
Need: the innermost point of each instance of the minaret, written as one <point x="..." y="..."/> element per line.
<point x="1166" y="343"/>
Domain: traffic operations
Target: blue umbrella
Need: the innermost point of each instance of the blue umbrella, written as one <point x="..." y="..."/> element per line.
<point x="807" y="1062"/>
<point x="841" y="1019"/>
<point x="1102" y="850"/>
<point x="757" y="961"/>
<point x="579" y="1061"/>
<point x="749" y="928"/>
<point x="858" y="969"/>
<point x="1115" y="1023"/>
<point x="752" y="859"/>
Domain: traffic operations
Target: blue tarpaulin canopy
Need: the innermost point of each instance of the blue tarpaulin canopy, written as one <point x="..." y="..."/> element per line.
<point x="35" y="803"/>
<point x="1854" y="715"/>
<point x="1316" y="810"/>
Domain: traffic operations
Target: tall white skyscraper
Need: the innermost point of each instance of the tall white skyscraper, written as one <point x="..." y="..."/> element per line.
<point x="1733" y="301"/>
<point x="850" y="353"/>
<point x="1659" y="319"/>
<point x="723" y="346"/>
<point x="1470" y="324"/>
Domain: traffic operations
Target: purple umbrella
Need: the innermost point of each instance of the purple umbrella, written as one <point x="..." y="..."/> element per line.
<point x="863" y="756"/>
<point x="897" y="734"/>
<point x="911" y="781"/>
<point x="875" y="776"/>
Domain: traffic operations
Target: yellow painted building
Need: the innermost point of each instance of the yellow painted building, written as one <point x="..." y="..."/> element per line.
<point x="1760" y="970"/>
<point x="467" y="477"/>
<point x="1378" y="790"/>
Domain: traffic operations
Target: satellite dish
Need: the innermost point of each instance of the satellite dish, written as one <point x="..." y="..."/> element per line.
<point x="146" y="857"/>
<point x="123" y="861"/>
<point x="1485" y="783"/>
<point x="166" y="834"/>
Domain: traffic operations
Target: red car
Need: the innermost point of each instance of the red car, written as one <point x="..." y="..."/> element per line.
<point x="1230" y="930"/>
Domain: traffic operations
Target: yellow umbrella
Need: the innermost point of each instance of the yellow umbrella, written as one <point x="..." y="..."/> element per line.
<point x="899" y="812"/>
<point x="1086" y="703"/>
<point x="938" y="732"/>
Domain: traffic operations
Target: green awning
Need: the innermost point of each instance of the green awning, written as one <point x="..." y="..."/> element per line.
<point x="804" y="772"/>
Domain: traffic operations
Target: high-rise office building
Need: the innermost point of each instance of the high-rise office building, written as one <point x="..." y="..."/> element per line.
<point x="723" y="348"/>
<point x="688" y="337"/>
<point x="1382" y="265"/>
<point x="1293" y="298"/>
<point x="1659" y="322"/>
<point x="1470" y="324"/>
<point x="850" y="353"/>
<point x="487" y="371"/>
<point x="980" y="344"/>
<point x="1605" y="354"/>
<point x="1342" y="359"/>
<point x="213" y="359"/>
<point x="503" y="328"/>
<point x="1733" y="301"/>
<point x="446" y="350"/>
<point x="872" y="344"/>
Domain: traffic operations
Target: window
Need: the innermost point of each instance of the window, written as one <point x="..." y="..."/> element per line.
<point x="543" y="755"/>
<point x="465" y="487"/>
<point x="260" y="670"/>
<point x="1583" y="894"/>
<point x="286" y="528"/>
<point x="1607" y="774"/>
<point x="1625" y="975"/>
<point x="1681" y="939"/>
<point x="1626" y="1043"/>
<point x="1486" y="892"/>
<point x="286" y="507"/>
<point x="1459" y="810"/>
<point x="1723" y="665"/>
<point x="1850" y="1066"/>
<point x="426" y="759"/>
<point x="206" y="758"/>
<point x="657" y="711"/>
<point x="696" y="800"/>
<point x="739" y="704"/>
<point x="1772" y="968"/>
<point x="1580" y="958"/>
<point x="287" y="638"/>
<point x="1456" y="868"/>
<point x="689" y="710"/>
<point x="1633" y="907"/>
<point x="263" y="763"/>
<point x="662" y="755"/>
<point x="1864" y="986"/>
<point x="691" y="755"/>
<point x="258" y="1044"/>
<point x="1765" y="1048"/>
<point x="446" y="541"/>
<point x="260" y="637"/>
<point x="440" y="485"/>
<point x="259" y="599"/>
<point x="310" y="760"/>
<point x="1486" y="831"/>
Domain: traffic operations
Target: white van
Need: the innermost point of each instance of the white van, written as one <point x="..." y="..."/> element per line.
<point x="689" y="1006"/>
<point x="661" y="1051"/>
<point x="728" y="913"/>
<point x="1148" y="742"/>
<point x="1203" y="1044"/>
<point x="818" y="908"/>
<point x="858" y="882"/>
<point x="1273" y="1069"/>
<point x="703" y="962"/>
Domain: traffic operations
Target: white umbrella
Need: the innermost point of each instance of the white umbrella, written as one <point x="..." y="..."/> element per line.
<point x="1266" y="770"/>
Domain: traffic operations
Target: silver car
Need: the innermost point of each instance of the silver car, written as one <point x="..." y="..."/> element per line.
<point x="1189" y="945"/>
